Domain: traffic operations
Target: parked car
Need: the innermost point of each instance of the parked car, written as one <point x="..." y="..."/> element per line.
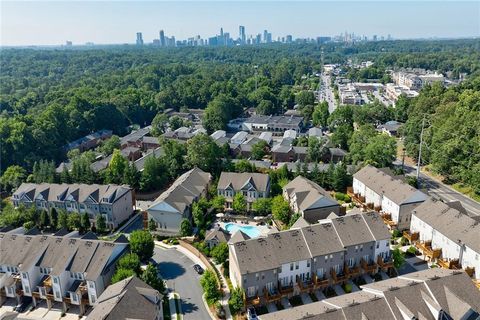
<point x="251" y="314"/>
<point x="198" y="268"/>
<point x="24" y="304"/>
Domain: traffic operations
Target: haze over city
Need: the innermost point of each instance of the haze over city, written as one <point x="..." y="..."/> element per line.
<point x="113" y="22"/>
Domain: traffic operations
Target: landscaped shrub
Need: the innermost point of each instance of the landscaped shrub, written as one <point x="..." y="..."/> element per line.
<point x="340" y="196"/>
<point x="347" y="287"/>
<point x="396" y="234"/>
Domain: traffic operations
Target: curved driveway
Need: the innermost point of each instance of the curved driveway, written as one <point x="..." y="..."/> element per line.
<point x="177" y="270"/>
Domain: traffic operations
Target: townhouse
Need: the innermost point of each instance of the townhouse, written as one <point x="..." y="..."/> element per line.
<point x="60" y="268"/>
<point x="89" y="142"/>
<point x="447" y="235"/>
<point x="310" y="200"/>
<point x="175" y="204"/>
<point x="252" y="185"/>
<point x="130" y="298"/>
<point x="310" y="257"/>
<point x="395" y="199"/>
<point x="114" y="202"/>
<point x="431" y="294"/>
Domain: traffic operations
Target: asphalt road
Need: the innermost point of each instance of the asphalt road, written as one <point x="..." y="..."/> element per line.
<point x="441" y="191"/>
<point x="325" y="93"/>
<point x="177" y="270"/>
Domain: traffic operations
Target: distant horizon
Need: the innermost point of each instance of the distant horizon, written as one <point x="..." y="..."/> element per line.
<point x="40" y="23"/>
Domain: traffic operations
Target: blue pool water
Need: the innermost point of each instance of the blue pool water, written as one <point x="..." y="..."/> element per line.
<point x="251" y="231"/>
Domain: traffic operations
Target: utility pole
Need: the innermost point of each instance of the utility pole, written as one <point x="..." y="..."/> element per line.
<point x="256" y="79"/>
<point x="403" y="161"/>
<point x="420" y="152"/>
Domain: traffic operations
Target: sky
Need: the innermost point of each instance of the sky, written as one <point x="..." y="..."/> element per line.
<point x="109" y="22"/>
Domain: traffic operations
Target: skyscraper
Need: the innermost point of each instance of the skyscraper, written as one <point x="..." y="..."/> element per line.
<point x="241" y="34"/>
<point x="139" y="39"/>
<point x="162" y="38"/>
<point x="265" y="36"/>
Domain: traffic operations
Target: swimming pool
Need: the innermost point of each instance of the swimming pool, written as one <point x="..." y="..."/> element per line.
<point x="251" y="231"/>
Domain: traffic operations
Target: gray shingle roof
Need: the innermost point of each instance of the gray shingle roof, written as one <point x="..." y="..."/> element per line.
<point x="309" y="194"/>
<point x="130" y="298"/>
<point x="239" y="180"/>
<point x="352" y="231"/>
<point x="450" y="222"/>
<point x="382" y="182"/>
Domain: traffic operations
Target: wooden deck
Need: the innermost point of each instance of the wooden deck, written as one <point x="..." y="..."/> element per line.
<point x="368" y="268"/>
<point x="426" y="249"/>
<point x="411" y="236"/>
<point x="338" y="278"/>
<point x="384" y="265"/>
<point x="449" y="264"/>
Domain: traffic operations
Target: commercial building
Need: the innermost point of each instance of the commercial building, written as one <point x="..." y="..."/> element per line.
<point x="447" y="235"/>
<point x="139" y="40"/>
<point x="175" y="204"/>
<point x="378" y="189"/>
<point x="431" y="294"/>
<point x="130" y="298"/>
<point x="275" y="124"/>
<point x="114" y="202"/>
<point x="60" y="268"/>
<point x="312" y="257"/>
<point x="252" y="185"/>
<point x="310" y="200"/>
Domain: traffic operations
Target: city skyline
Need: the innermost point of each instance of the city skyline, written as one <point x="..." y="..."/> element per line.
<point x="51" y="23"/>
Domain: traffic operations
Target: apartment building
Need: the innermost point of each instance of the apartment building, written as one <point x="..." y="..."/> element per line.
<point x="114" y="202"/>
<point x="310" y="200"/>
<point x="252" y="185"/>
<point x="447" y="235"/>
<point x="431" y="294"/>
<point x="175" y="204"/>
<point x="311" y="257"/>
<point x="130" y="298"/>
<point x="395" y="199"/>
<point x="60" y="268"/>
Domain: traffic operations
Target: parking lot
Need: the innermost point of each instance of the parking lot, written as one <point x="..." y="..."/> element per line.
<point x="40" y="312"/>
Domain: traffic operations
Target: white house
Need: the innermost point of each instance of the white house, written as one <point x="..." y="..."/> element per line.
<point x="388" y="194"/>
<point x="448" y="229"/>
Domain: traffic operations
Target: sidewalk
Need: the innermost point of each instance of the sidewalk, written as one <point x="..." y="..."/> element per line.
<point x="173" y="307"/>
<point x="226" y="294"/>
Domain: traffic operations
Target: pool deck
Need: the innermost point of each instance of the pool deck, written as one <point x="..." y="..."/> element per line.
<point x="264" y="229"/>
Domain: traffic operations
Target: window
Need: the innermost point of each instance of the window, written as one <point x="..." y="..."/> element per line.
<point x="92" y="298"/>
<point x="291" y="266"/>
<point x="27" y="290"/>
<point x="326" y="258"/>
<point x="24" y="275"/>
<point x="297" y="265"/>
<point x="256" y="276"/>
<point x="378" y="245"/>
<point x="308" y="263"/>
<point x="55" y="280"/>
<point x="90" y="285"/>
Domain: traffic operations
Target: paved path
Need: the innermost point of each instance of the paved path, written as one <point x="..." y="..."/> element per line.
<point x="177" y="270"/>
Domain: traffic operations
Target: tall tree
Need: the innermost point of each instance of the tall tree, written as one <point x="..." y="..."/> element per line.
<point x="116" y="168"/>
<point x="204" y="153"/>
<point x="13" y="177"/>
<point x="142" y="244"/>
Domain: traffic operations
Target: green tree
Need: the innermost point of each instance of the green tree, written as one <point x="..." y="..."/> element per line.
<point x="53" y="218"/>
<point x="320" y="115"/>
<point x="259" y="150"/>
<point x="62" y="220"/>
<point x="265" y="107"/>
<point x="116" y="168"/>
<point x="73" y="221"/>
<point x="44" y="171"/>
<point x="152" y="225"/>
<point x="154" y="175"/>
<point x="218" y="203"/>
<point x="151" y="277"/>
<point x="131" y="176"/>
<point x="121" y="274"/>
<point x="209" y="283"/>
<point x="159" y="124"/>
<point x="244" y="165"/>
<point x="13" y="177"/>
<point x="43" y="221"/>
<point x="371" y="147"/>
<point x="262" y="206"/>
<point x="220" y="253"/>
<point x="280" y="209"/>
<point x="204" y="153"/>
<point x="341" y="136"/>
<point x="100" y="224"/>
<point x="317" y="149"/>
<point x="142" y="244"/>
<point x="398" y="258"/>
<point x="339" y="179"/>
<point x="108" y="146"/>
<point x="130" y="261"/>
<point x="175" y="122"/>
<point x="219" y="111"/>
<point x="305" y="98"/>
<point x="85" y="221"/>
<point x="185" y="228"/>
<point x="239" y="204"/>
<point x="236" y="300"/>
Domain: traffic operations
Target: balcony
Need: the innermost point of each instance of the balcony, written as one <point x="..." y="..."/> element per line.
<point x="320" y="283"/>
<point x="305" y="286"/>
<point x="251" y="301"/>
<point x="377" y="208"/>
<point x="271" y="295"/>
<point x="411" y="236"/>
<point x="47" y="282"/>
<point x="426" y="249"/>
<point x="351" y="272"/>
<point x="356" y="197"/>
<point x="453" y="264"/>
<point x="368" y="268"/>
<point x="384" y="265"/>
<point x="286" y="290"/>
<point x="387" y="219"/>
<point x="470" y="271"/>
<point x="338" y="278"/>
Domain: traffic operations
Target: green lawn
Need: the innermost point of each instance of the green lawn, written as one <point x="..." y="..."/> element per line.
<point x="466" y="190"/>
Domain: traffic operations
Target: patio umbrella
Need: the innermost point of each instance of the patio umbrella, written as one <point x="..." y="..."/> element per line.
<point x="257" y="218"/>
<point x="220" y="215"/>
